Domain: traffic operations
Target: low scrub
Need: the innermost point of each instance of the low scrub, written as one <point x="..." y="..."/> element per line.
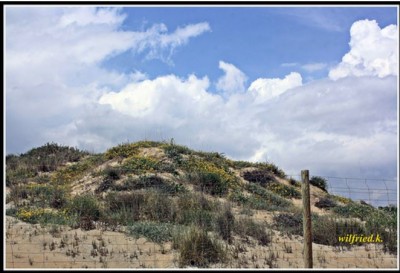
<point x="262" y="177"/>
<point x="274" y="201"/>
<point x="248" y="227"/>
<point x="87" y="209"/>
<point x="325" y="203"/>
<point x="225" y="222"/>
<point x="198" y="249"/>
<point x="283" y="190"/>
<point x="154" y="231"/>
<point x="319" y="182"/>
<point x="354" y="210"/>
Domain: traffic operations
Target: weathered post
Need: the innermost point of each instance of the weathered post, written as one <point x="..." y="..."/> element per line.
<point x="307" y="233"/>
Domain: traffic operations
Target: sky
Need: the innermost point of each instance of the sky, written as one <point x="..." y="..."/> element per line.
<point x="303" y="87"/>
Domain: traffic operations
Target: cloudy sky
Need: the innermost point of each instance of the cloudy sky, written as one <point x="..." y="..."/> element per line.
<point x="303" y="87"/>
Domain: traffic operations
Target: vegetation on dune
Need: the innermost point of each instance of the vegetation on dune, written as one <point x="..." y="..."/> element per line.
<point x="319" y="182"/>
<point x="175" y="194"/>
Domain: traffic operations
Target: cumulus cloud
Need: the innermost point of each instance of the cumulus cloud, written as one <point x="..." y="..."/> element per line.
<point x="53" y="63"/>
<point x="233" y="81"/>
<point x="265" y="89"/>
<point x="57" y="90"/>
<point x="170" y="95"/>
<point x="373" y="51"/>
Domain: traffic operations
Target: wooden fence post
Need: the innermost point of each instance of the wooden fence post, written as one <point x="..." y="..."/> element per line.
<point x="307" y="233"/>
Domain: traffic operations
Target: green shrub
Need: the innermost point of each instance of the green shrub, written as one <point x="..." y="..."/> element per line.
<point x="140" y="165"/>
<point x="262" y="177"/>
<point x="195" y="209"/>
<point x="354" y="210"/>
<point x="35" y="215"/>
<point x="325" y="203"/>
<point x="175" y="152"/>
<point x="11" y="211"/>
<point x="87" y="209"/>
<point x="159" y="207"/>
<point x="126" y="150"/>
<point x="247" y="227"/>
<point x="274" y="201"/>
<point x="319" y="182"/>
<point x="294" y="183"/>
<point x="225" y="223"/>
<point x="198" y="249"/>
<point x="239" y="164"/>
<point x="326" y="230"/>
<point x="150" y="181"/>
<point x="291" y="223"/>
<point x="154" y="231"/>
<point x="271" y="167"/>
<point x="125" y="208"/>
<point x="210" y="183"/>
<point x="283" y="190"/>
<point x="384" y="223"/>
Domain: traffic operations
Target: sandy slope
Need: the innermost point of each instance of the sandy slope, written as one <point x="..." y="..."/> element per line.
<point x="32" y="246"/>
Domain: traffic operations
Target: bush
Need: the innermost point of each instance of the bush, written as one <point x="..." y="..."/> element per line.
<point x="140" y="165"/>
<point x="294" y="183"/>
<point x="354" y="210"/>
<point x="319" y="182"/>
<point x="384" y="223"/>
<point x="289" y="223"/>
<point x="325" y="203"/>
<point x="266" y="199"/>
<point x="259" y="176"/>
<point x="247" y="227"/>
<point x="175" y="152"/>
<point x="39" y="215"/>
<point x="211" y="183"/>
<point x="283" y="190"/>
<point x="326" y="230"/>
<point x="151" y="181"/>
<point x="87" y="209"/>
<point x="198" y="249"/>
<point x="271" y="167"/>
<point x="225" y="223"/>
<point x="126" y="208"/>
<point x="154" y="231"/>
<point x="195" y="209"/>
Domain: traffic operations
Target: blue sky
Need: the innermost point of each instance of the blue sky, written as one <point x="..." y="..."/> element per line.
<point x="303" y="87"/>
<point x="258" y="40"/>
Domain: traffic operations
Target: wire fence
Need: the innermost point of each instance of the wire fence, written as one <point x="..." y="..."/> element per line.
<point x="255" y="227"/>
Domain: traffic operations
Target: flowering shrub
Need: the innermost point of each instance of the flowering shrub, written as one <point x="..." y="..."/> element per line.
<point x="283" y="190"/>
<point x="198" y="165"/>
<point x="140" y="165"/>
<point x="40" y="215"/>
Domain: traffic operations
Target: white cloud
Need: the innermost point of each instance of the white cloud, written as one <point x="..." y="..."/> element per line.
<point x="265" y="89"/>
<point x="312" y="67"/>
<point x="57" y="91"/>
<point x="91" y="15"/>
<point x="233" y="81"/>
<point x="169" y="95"/>
<point x="160" y="45"/>
<point x="53" y="64"/>
<point x="373" y="52"/>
